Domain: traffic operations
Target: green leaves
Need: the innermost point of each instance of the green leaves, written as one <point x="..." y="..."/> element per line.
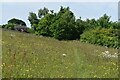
<point x="9" y="26"/>
<point x="104" y="21"/>
<point x="64" y="26"/>
<point x="33" y="20"/>
<point x="44" y="25"/>
<point x="104" y="37"/>
<point x="16" y="22"/>
<point x="42" y="12"/>
<point x="59" y="25"/>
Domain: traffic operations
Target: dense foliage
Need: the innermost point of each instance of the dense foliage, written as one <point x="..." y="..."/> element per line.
<point x="17" y="22"/>
<point x="33" y="20"/>
<point x="101" y="36"/>
<point x="102" y="31"/>
<point x="8" y="26"/>
<point x="59" y="25"/>
<point x="64" y="26"/>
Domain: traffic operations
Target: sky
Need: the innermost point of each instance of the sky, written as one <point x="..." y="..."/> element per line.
<point x="84" y="10"/>
<point x="119" y="11"/>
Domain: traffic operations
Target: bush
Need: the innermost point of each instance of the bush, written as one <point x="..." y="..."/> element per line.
<point x="29" y="30"/>
<point x="17" y="22"/>
<point x="63" y="26"/>
<point x="101" y="36"/>
<point x="9" y="26"/>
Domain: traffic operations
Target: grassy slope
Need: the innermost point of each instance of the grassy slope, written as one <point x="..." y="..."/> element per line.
<point x="27" y="55"/>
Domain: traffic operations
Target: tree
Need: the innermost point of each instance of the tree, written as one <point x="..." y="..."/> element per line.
<point x="52" y="11"/>
<point x="17" y="22"/>
<point x="45" y="11"/>
<point x="3" y="26"/>
<point x="33" y="20"/>
<point x="115" y="25"/>
<point x="104" y="21"/>
<point x="44" y="25"/>
<point x="63" y="26"/>
<point x="80" y="27"/>
<point x="9" y="26"/>
<point x="42" y="12"/>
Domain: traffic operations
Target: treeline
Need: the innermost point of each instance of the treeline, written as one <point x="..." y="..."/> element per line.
<point x="64" y="26"/>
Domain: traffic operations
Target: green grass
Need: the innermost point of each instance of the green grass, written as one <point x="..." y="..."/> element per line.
<point x="29" y="56"/>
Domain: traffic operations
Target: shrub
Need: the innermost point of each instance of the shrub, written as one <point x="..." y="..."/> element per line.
<point x="9" y="26"/>
<point x="17" y="22"/>
<point x="101" y="36"/>
<point x="29" y="30"/>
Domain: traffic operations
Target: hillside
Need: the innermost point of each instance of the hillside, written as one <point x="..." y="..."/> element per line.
<point x="28" y="56"/>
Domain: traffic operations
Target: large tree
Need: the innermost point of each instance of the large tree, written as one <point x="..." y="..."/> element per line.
<point x="16" y="22"/>
<point x="44" y="25"/>
<point x="63" y="26"/>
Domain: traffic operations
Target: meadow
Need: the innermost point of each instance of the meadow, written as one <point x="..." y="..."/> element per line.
<point x="29" y="56"/>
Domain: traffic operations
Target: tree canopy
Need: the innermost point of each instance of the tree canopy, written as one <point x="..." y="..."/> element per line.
<point x="16" y="22"/>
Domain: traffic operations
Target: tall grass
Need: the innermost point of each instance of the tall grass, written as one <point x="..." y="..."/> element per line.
<point x="29" y="56"/>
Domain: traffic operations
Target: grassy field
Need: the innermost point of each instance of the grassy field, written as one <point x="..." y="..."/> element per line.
<point x="29" y="56"/>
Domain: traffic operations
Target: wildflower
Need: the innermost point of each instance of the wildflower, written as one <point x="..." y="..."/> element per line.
<point x="95" y="76"/>
<point x="114" y="64"/>
<point x="66" y="67"/>
<point x="27" y="70"/>
<point x="113" y="56"/>
<point x="107" y="52"/>
<point x="115" y="53"/>
<point x="104" y="67"/>
<point x="64" y="55"/>
<point x="103" y="53"/>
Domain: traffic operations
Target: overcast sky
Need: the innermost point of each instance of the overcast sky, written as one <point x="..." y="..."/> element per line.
<point x="90" y="10"/>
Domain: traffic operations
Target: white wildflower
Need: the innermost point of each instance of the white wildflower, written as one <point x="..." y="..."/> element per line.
<point x="113" y="56"/>
<point x="103" y="53"/>
<point x="64" y="55"/>
<point x="107" y="52"/>
<point x="108" y="55"/>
